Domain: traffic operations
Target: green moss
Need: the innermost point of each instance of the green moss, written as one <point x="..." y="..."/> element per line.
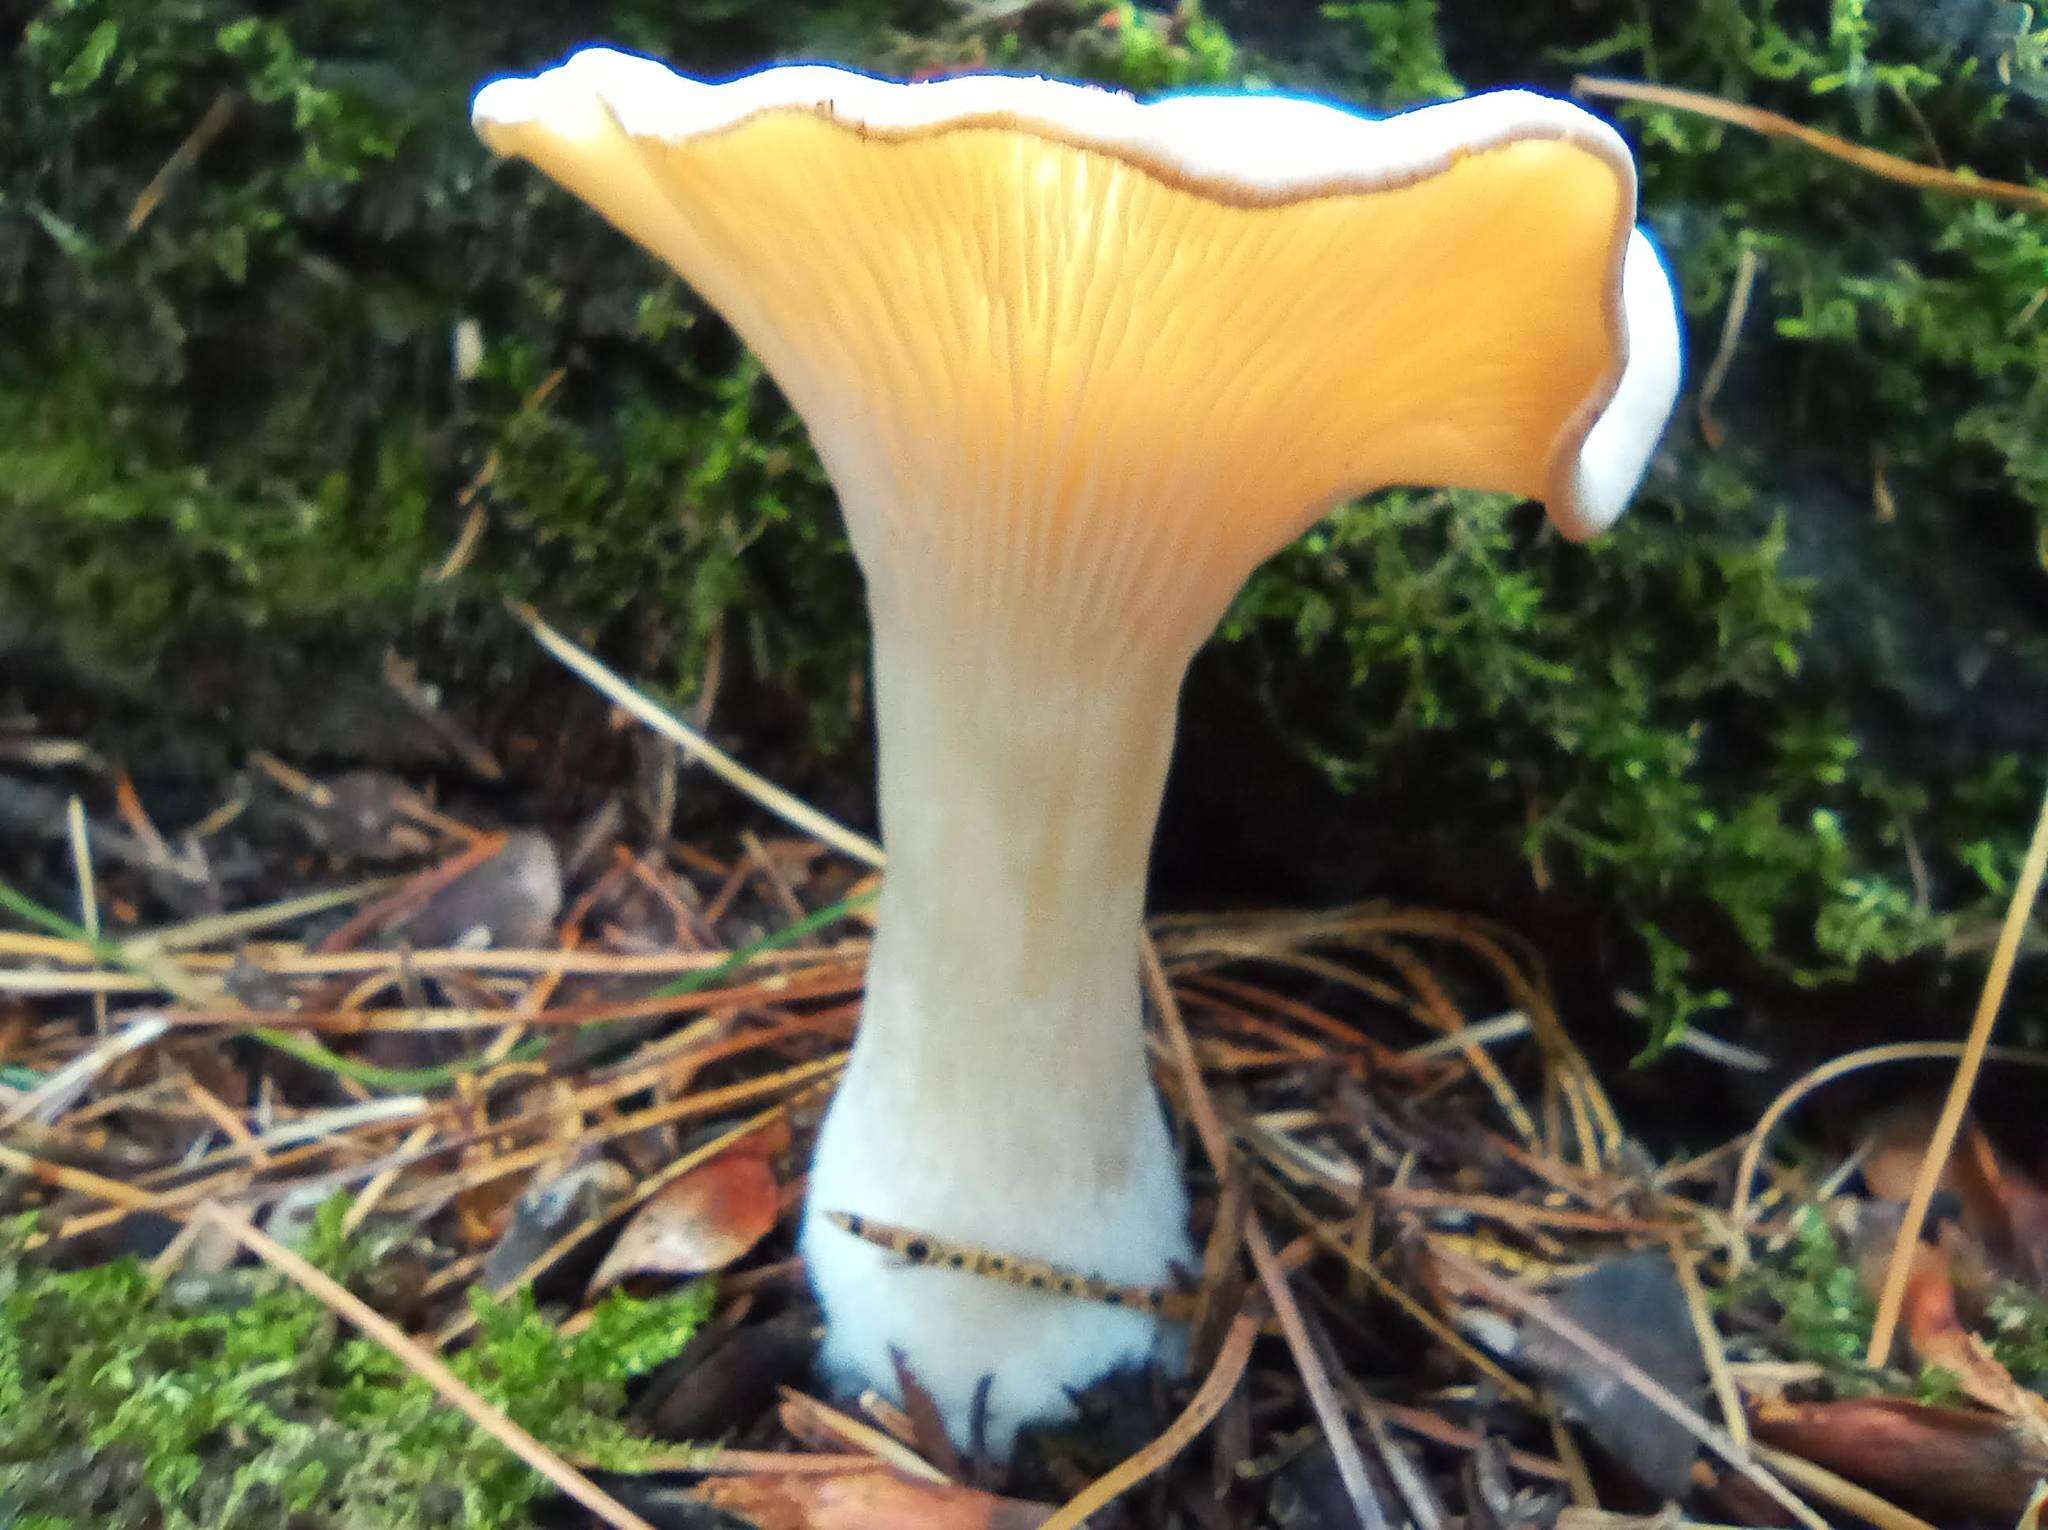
<point x="1701" y="717"/>
<point x="1788" y="713"/>
<point x="1815" y="1305"/>
<point x="2016" y="1328"/>
<point x="1393" y="50"/>
<point x="1150" y="51"/>
<point x="1828" y="1314"/>
<point x="1821" y="1311"/>
<point x="240" y="417"/>
<point x="714" y="513"/>
<point x="239" y="1400"/>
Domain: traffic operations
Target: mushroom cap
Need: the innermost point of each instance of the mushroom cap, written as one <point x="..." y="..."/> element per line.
<point x="1052" y="332"/>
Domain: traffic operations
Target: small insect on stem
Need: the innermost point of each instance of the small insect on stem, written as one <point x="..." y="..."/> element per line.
<point x="1026" y="1274"/>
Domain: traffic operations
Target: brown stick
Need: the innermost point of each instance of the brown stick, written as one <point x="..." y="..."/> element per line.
<point x="1215" y="1391"/>
<point x="1891" y="167"/>
<point x="1900" y="1266"/>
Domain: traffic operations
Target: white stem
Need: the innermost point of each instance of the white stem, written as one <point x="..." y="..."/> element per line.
<point x="998" y="1092"/>
<point x="1001" y="1032"/>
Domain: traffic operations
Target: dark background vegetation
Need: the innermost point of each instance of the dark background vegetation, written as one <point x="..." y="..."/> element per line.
<point x="1771" y="746"/>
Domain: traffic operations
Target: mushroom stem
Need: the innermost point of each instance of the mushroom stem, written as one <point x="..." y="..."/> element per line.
<point x="998" y="1091"/>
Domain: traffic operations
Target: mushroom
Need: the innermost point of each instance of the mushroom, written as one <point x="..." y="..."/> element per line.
<point x="1075" y="364"/>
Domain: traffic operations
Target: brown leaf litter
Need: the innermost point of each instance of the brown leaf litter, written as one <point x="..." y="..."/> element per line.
<point x="1445" y="1285"/>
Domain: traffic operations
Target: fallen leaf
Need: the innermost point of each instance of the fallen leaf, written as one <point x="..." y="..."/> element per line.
<point x="732" y="1378"/>
<point x="2002" y="1208"/>
<point x="1634" y="1305"/>
<point x="1947" y="1461"/>
<point x="508" y="902"/>
<point x="698" y="1223"/>
<point x="16" y="1028"/>
<point x="557" y="1198"/>
<point x="1934" y="1331"/>
<point x="819" y="1424"/>
<point x="873" y="1500"/>
<point x="1894" y="1141"/>
<point x="771" y="1141"/>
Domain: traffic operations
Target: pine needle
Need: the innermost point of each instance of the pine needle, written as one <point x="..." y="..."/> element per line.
<point x="423" y="1363"/>
<point x="1900" y="1267"/>
<point x="1202" y="1408"/>
<point x="1890" y="167"/>
<point x="1739" y="1209"/>
<point x="787" y="806"/>
<point x="1329" y="1409"/>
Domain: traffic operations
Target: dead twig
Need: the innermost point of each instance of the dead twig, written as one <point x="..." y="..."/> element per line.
<point x="790" y="808"/>
<point x="1724" y="353"/>
<point x="183" y="158"/>
<point x="1839" y="1492"/>
<point x="1869" y="1057"/>
<point x="1215" y="1390"/>
<point x="1726" y="1393"/>
<point x="1949" y="183"/>
<point x="1892" y="1296"/>
<point x="891" y="1452"/>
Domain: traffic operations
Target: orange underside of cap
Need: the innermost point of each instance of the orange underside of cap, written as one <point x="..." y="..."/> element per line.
<point x="1044" y="368"/>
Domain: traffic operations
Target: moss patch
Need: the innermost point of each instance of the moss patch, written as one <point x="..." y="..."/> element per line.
<point x="239" y="1400"/>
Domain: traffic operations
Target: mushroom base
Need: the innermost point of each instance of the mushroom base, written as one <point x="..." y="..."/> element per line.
<point x="954" y="1329"/>
<point x="998" y="1094"/>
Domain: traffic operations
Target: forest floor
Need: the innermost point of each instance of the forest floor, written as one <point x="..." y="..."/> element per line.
<point x="456" y="1184"/>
